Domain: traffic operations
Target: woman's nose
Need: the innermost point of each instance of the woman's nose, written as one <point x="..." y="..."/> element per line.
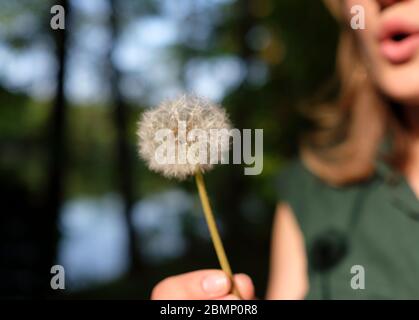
<point x="386" y="3"/>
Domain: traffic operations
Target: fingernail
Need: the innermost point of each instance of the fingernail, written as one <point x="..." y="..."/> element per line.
<point x="214" y="284"/>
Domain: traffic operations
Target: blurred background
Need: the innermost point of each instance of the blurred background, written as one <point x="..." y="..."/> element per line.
<point x="73" y="191"/>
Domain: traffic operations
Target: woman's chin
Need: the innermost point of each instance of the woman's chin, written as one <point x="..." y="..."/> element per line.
<point x="405" y="92"/>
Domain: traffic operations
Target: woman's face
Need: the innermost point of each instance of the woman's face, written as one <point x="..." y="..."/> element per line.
<point x="390" y="45"/>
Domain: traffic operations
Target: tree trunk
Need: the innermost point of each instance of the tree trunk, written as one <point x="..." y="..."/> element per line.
<point x="124" y="159"/>
<point x="57" y="151"/>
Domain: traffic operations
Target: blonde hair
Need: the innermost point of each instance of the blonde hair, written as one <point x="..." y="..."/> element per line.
<point x="344" y="145"/>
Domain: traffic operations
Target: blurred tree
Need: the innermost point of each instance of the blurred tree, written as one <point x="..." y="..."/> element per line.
<point x="124" y="163"/>
<point x="57" y="144"/>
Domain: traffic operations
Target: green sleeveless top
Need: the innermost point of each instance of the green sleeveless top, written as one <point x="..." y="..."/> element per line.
<point x="362" y="240"/>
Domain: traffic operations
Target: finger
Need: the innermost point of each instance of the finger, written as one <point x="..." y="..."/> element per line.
<point x="196" y="285"/>
<point x="245" y="286"/>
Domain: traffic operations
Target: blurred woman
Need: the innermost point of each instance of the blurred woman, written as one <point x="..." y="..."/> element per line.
<point x="347" y="224"/>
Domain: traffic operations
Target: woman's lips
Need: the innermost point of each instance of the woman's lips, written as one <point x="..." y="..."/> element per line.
<point x="399" y="41"/>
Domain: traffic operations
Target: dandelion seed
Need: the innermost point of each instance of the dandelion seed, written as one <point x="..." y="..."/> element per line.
<point x="188" y="113"/>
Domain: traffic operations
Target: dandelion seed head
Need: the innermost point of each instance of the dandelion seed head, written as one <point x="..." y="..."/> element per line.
<point x="194" y="113"/>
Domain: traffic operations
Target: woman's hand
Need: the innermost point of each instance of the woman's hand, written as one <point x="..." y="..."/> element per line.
<point x="203" y="285"/>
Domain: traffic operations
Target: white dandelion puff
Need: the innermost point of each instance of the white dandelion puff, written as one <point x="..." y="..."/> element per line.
<point x="190" y="120"/>
<point x="179" y="119"/>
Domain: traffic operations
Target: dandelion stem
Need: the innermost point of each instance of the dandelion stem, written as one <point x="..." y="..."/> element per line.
<point x="212" y="226"/>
